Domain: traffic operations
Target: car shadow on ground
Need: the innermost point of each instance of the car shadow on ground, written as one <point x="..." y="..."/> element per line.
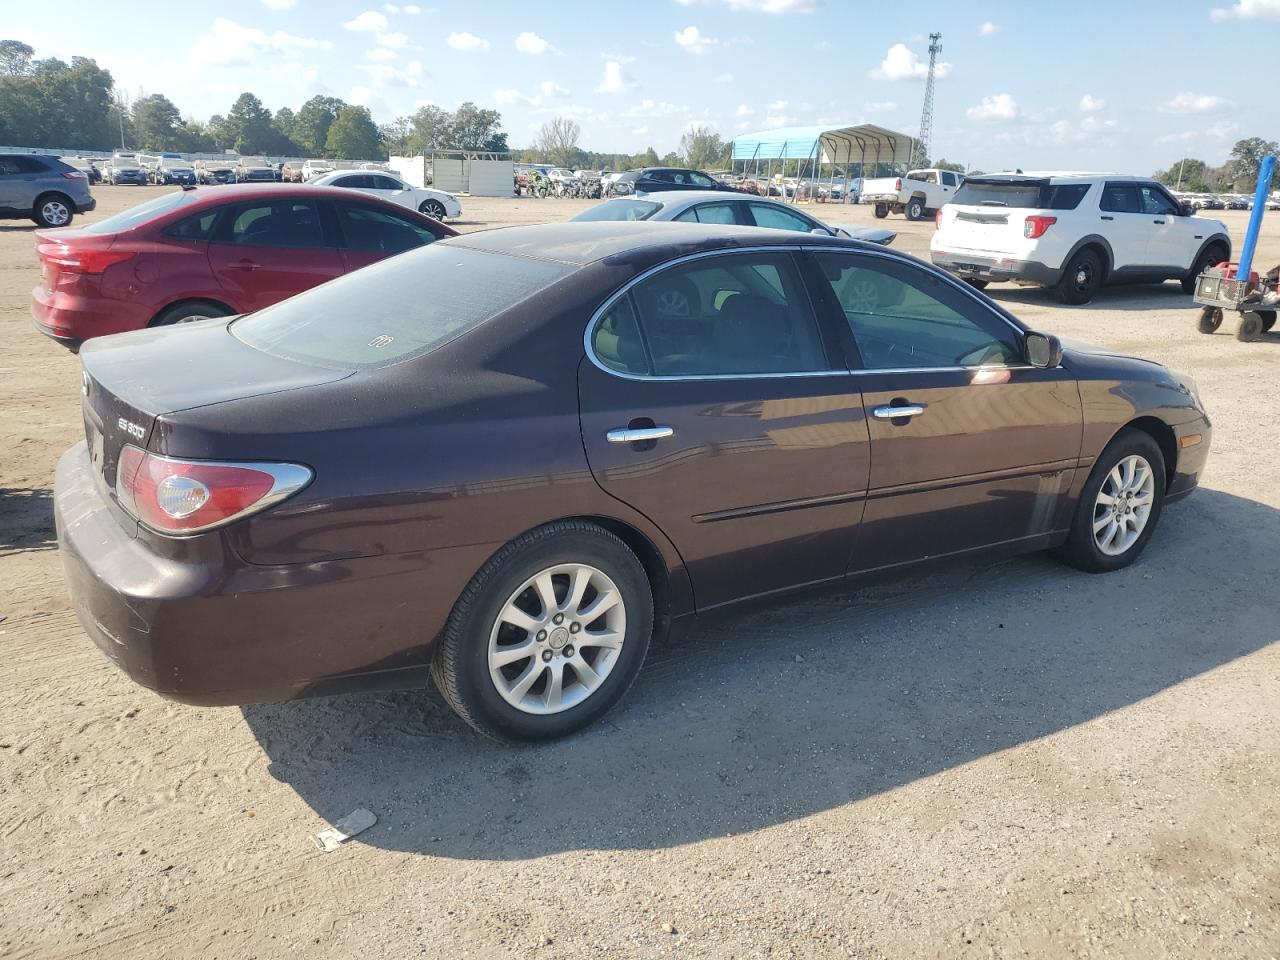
<point x="26" y="519"/>
<point x="1141" y="296"/>
<point x="18" y="228"/>
<point x="799" y="707"/>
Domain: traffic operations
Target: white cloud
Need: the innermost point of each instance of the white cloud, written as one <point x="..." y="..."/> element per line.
<point x="780" y="120"/>
<point x="529" y="42"/>
<point x="279" y="4"/>
<point x="380" y="54"/>
<point x="822" y="45"/>
<point x="412" y="9"/>
<point x="988" y="28"/>
<point x="390" y="8"/>
<point x="724" y="78"/>
<point x="881" y="106"/>
<point x="640" y="131"/>
<point x="383" y="75"/>
<point x="468" y="42"/>
<point x="1221" y="130"/>
<point x="761" y="6"/>
<point x="777" y="106"/>
<point x="654" y="108"/>
<point x="1248" y="10"/>
<point x="360" y="96"/>
<point x="229" y="44"/>
<point x="619" y="57"/>
<point x="694" y="40"/>
<point x="552" y="89"/>
<point x="396" y="41"/>
<point x="1192" y="103"/>
<point x="743" y="110"/>
<point x="901" y="63"/>
<point x="371" y="21"/>
<point x="1001" y="106"/>
<point x="1091" y="104"/>
<point x="614" y="79"/>
<point x="1089" y="128"/>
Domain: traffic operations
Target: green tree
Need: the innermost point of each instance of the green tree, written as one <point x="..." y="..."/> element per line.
<point x="702" y="148"/>
<point x="283" y="123"/>
<point x="647" y="159"/>
<point x="155" y="123"/>
<point x="311" y="125"/>
<point x="249" y="125"/>
<point x="15" y="58"/>
<point x="429" y="127"/>
<point x="948" y="165"/>
<point x="1188" y="174"/>
<point x="474" y="128"/>
<point x="558" y="141"/>
<point x="1246" y="162"/>
<point x="354" y="136"/>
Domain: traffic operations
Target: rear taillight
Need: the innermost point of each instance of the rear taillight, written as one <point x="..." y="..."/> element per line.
<point x="897" y="185"/>
<point x="1035" y="227"/>
<point x="937" y="219"/>
<point x="190" y="496"/>
<point x="74" y="175"/>
<point x="70" y="260"/>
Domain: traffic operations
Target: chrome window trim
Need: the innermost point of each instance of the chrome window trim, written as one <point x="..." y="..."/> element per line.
<point x="783" y="248"/>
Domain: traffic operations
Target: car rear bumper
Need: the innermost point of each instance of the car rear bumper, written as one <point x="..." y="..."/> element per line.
<point x="72" y="319"/>
<point x="967" y="265"/>
<point x="204" y="627"/>
<point x="86" y="204"/>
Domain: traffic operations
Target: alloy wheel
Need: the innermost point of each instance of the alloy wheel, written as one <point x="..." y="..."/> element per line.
<point x="1123" y="505"/>
<point x="55" y="213"/>
<point x="557" y="638"/>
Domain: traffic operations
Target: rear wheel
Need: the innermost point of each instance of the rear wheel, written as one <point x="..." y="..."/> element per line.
<point x="1268" y="319"/>
<point x="881" y="211"/>
<point x="976" y="283"/>
<point x="1215" y="254"/>
<point x="1081" y="278"/>
<point x="548" y="635"/>
<point x="432" y="208"/>
<point x="1119" y="506"/>
<point x="1210" y="320"/>
<point x="53" y="210"/>
<point x="189" y="311"/>
<point x="915" y="209"/>
<point x="1249" y="328"/>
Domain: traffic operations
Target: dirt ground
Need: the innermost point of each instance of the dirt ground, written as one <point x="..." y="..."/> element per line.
<point x="988" y="761"/>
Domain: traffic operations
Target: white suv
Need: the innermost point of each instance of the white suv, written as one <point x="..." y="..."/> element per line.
<point x="1073" y="232"/>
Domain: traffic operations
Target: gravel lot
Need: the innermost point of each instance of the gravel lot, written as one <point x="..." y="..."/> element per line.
<point x="984" y="761"/>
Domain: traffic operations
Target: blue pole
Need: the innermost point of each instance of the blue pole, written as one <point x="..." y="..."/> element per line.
<point x="1255" y="218"/>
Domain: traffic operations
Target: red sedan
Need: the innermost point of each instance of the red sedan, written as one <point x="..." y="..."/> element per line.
<point x="201" y="253"/>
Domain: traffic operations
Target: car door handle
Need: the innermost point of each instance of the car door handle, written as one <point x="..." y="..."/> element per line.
<point x="638" y="434"/>
<point x="1108" y="218"/>
<point x="1161" y="222"/>
<point x="246" y="264"/>
<point x="893" y="413"/>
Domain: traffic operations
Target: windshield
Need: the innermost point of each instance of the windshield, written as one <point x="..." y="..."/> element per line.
<point x="379" y="316"/>
<point x="141" y="213"/>
<point x="620" y="209"/>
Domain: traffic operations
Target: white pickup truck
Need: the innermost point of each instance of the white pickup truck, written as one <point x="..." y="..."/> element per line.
<point x="918" y="194"/>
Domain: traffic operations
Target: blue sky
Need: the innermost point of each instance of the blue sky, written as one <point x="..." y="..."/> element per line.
<point x="1115" y="86"/>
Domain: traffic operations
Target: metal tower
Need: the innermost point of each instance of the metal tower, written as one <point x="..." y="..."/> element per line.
<point x="921" y="153"/>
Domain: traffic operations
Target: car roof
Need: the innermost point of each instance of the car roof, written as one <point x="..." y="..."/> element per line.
<point x="673" y="197"/>
<point x="210" y="195"/>
<point x="582" y="242"/>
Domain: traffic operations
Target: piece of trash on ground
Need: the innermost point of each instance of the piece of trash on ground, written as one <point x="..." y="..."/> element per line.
<point x="357" y="821"/>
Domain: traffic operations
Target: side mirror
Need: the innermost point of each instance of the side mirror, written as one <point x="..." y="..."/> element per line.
<point x="1187" y="210"/>
<point x="823" y="232"/>
<point x="1043" y="350"/>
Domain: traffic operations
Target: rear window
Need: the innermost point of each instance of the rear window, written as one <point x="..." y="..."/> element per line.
<point x="1026" y="196"/>
<point x="379" y="315"/>
<point x="622" y="208"/>
<point x="139" y="214"/>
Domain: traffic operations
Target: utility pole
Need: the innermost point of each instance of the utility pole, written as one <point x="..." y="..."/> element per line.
<point x="921" y="153"/>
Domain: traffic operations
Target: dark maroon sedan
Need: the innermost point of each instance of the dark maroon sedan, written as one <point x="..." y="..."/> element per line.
<point x="509" y="459"/>
<point x="206" y="252"/>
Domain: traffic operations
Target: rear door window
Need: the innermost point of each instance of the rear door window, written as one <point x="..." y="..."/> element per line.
<point x="357" y="181"/>
<point x="370" y="228"/>
<point x="1119" y="198"/>
<point x="378" y="315"/>
<point x="287" y="223"/>
<point x="199" y="227"/>
<point x="383" y="183"/>
<point x="710" y="213"/>
<point x="778" y="217"/>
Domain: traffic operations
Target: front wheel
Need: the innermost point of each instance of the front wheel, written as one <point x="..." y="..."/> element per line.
<point x="881" y="211"/>
<point x="976" y="283"/>
<point x="1268" y="319"/>
<point x="1119" y="506"/>
<point x="1210" y="320"/>
<point x="548" y="635"/>
<point x="53" y="211"/>
<point x="433" y="209"/>
<point x="1211" y="257"/>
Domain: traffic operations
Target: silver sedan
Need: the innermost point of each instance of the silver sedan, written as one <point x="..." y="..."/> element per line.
<point x="717" y="206"/>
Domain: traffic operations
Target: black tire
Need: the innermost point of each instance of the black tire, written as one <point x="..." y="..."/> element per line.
<point x="432" y="208"/>
<point x="1081" y="551"/>
<point x="976" y="283"/>
<point x="1249" y="328"/>
<point x="915" y="209"/>
<point x="1081" y="278"/>
<point x="460" y="667"/>
<point x="188" y="311"/>
<point x="1268" y="319"/>
<point x="1214" y="254"/>
<point x="881" y="211"/>
<point x="1210" y="320"/>
<point x="53" y="210"/>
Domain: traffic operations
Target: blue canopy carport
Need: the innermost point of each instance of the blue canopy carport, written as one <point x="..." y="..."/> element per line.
<point x="823" y="146"/>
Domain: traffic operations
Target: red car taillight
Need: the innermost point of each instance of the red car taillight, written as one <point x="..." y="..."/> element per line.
<point x="190" y="496"/>
<point x="937" y="219"/>
<point x="1035" y="227"/>
<point x="70" y="260"/>
<point x="75" y="175"/>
